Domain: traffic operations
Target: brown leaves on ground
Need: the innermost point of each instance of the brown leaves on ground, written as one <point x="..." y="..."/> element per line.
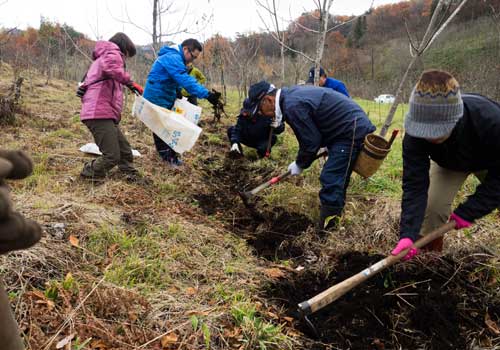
<point x="492" y="326"/>
<point x="108" y="317"/>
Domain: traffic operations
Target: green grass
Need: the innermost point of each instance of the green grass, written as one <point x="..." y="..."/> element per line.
<point x="258" y="333"/>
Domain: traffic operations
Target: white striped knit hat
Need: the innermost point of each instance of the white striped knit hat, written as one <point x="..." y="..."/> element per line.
<point x="435" y="106"/>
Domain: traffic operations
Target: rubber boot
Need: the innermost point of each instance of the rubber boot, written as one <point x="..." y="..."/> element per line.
<point x="329" y="218"/>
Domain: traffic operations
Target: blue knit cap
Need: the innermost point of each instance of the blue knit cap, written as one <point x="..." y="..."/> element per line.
<point x="435" y="106"/>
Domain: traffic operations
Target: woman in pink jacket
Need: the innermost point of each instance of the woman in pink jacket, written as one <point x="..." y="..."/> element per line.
<point x="102" y="100"/>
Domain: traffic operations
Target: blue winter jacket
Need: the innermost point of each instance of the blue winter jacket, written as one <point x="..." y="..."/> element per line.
<point x="320" y="117"/>
<point x="336" y="85"/>
<point x="169" y="74"/>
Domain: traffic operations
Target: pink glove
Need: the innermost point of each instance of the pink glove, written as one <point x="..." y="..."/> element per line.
<point x="403" y="244"/>
<point x="459" y="222"/>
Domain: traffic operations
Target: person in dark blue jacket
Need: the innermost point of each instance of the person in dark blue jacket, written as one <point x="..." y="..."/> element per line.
<point x="253" y="131"/>
<point x="319" y="118"/>
<point x="327" y="82"/>
<point x="167" y="76"/>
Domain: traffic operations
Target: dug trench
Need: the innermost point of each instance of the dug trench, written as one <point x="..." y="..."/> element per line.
<point x="272" y="232"/>
<point x="429" y="303"/>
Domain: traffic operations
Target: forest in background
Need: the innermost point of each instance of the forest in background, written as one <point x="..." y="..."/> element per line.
<point x="369" y="53"/>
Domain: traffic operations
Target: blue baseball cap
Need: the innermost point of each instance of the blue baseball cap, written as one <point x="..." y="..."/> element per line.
<point x="255" y="94"/>
<point x="311" y="74"/>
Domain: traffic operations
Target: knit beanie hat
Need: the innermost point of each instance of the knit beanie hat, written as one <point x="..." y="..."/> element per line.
<point x="435" y="106"/>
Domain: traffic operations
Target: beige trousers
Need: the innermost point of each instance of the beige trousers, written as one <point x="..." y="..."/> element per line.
<point x="443" y="188"/>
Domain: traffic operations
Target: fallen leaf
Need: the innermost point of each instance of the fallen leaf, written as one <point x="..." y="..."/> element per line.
<point x="196" y="313"/>
<point x="112" y="249"/>
<point x="378" y="343"/>
<point x="98" y="345"/>
<point x="74" y="241"/>
<point x="38" y="294"/>
<point x="173" y="290"/>
<point x="49" y="303"/>
<point x="288" y="319"/>
<point x="191" y="291"/>
<point x="273" y="315"/>
<point x="492" y="326"/>
<point x="292" y="333"/>
<point x="132" y="316"/>
<point x="169" y="339"/>
<point x="63" y="342"/>
<point x="274" y="273"/>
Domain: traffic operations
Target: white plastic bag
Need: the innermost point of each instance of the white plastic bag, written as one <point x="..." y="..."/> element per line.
<point x="92" y="148"/>
<point x="189" y="110"/>
<point x="175" y="130"/>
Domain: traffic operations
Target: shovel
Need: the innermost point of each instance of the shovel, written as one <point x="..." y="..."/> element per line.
<point x="246" y="196"/>
<point x="336" y="291"/>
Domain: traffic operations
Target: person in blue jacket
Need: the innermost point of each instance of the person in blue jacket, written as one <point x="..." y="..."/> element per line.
<point x="168" y="75"/>
<point x="319" y="118"/>
<point x="252" y="131"/>
<point x="327" y="82"/>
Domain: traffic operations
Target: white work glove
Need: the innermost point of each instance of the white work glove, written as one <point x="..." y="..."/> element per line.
<point x="235" y="148"/>
<point x="321" y="150"/>
<point x="294" y="169"/>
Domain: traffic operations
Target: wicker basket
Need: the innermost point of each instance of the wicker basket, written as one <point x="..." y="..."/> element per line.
<point x="375" y="149"/>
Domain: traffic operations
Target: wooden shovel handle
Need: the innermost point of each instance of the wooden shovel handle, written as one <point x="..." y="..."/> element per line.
<point x="393" y="137"/>
<point x="336" y="291"/>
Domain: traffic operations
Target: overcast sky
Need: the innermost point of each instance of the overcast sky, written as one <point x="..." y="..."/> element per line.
<point x="100" y="19"/>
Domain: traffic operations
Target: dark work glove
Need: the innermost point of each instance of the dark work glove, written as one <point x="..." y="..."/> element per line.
<point x="214" y="98"/>
<point x="135" y="88"/>
<point x="16" y="232"/>
<point x="81" y="91"/>
<point x="21" y="163"/>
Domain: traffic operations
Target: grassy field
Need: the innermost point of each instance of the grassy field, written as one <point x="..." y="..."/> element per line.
<point x="181" y="263"/>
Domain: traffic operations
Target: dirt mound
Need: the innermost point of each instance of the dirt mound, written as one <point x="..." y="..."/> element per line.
<point x="439" y="304"/>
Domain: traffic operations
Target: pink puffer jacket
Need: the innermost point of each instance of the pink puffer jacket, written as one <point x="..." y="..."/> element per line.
<point x="104" y="81"/>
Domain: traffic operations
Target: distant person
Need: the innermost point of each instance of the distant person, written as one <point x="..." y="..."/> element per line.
<point x="319" y="118"/>
<point x="200" y="78"/>
<point x="102" y="100"/>
<point x="327" y="82"/>
<point x="253" y="131"/>
<point x="448" y="136"/>
<point x="169" y="74"/>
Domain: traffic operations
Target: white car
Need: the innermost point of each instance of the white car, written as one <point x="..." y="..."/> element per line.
<point x="385" y="99"/>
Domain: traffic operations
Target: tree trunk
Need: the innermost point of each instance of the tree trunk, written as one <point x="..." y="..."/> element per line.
<point x="423" y="45"/>
<point x="155" y="19"/>
<point x="323" y="27"/>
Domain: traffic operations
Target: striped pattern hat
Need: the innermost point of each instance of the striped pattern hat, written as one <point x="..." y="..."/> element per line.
<point x="435" y="106"/>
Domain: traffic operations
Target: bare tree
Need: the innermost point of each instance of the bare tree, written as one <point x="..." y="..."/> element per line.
<point x="323" y="14"/>
<point x="279" y="33"/>
<point x="244" y="51"/>
<point x="436" y="25"/>
<point x="163" y="12"/>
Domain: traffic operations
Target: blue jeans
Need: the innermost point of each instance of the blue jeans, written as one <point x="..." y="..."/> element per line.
<point x="336" y="174"/>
